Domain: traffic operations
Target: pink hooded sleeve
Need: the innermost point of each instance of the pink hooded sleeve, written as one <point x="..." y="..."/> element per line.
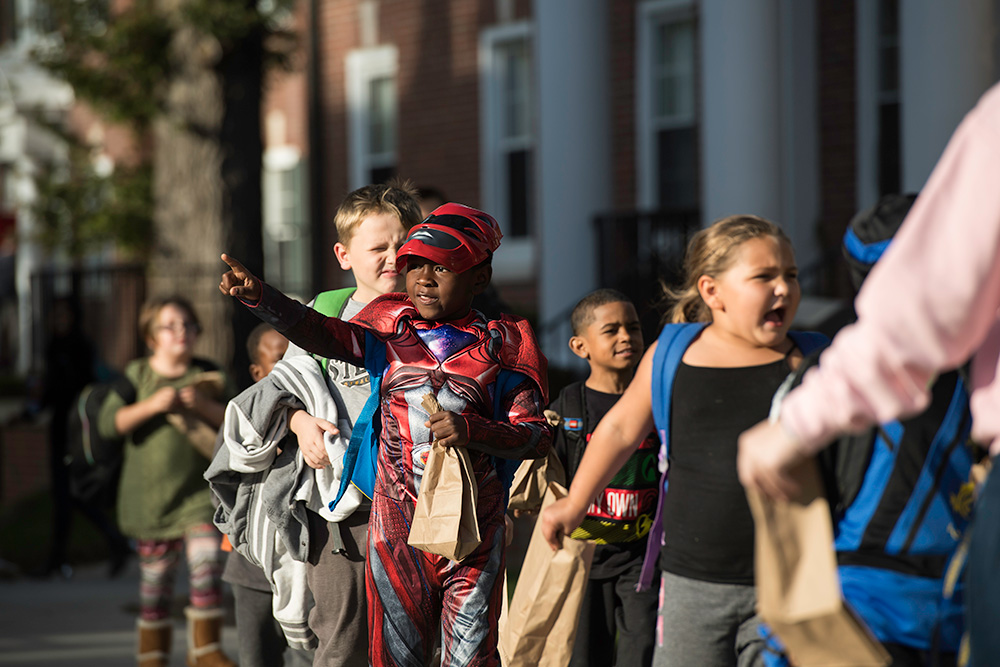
<point x="927" y="306"/>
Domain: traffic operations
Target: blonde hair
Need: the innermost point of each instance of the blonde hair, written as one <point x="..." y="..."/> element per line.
<point x="712" y="252"/>
<point x="397" y="198"/>
<point x="151" y="310"/>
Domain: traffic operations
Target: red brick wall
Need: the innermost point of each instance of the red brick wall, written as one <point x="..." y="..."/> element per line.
<point x="438" y="89"/>
<point x="837" y="127"/>
<point x="287" y="92"/>
<point x="337" y="34"/>
<point x="439" y="92"/>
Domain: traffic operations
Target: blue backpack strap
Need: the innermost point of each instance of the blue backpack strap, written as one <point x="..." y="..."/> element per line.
<point x="362" y="452"/>
<point x="673" y="342"/>
<point x="506" y="380"/>
<point x="670" y="348"/>
<point x="808" y="341"/>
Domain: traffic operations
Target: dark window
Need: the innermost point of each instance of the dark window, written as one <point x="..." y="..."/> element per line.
<point x="889" y="169"/>
<point x="889" y="180"/>
<point x="677" y="164"/>
<point x="519" y="192"/>
<point x="382" y="174"/>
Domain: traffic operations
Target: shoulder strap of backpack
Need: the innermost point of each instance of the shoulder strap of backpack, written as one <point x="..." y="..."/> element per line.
<point x="505" y="382"/>
<point x="674" y="340"/>
<point x="332" y="304"/>
<point x="844" y="463"/>
<point x="122" y="386"/>
<point x="573" y="405"/>
<point x="808" y="341"/>
<point x="362" y="451"/>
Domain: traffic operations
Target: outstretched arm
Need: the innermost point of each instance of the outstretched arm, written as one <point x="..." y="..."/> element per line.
<point x="614" y="440"/>
<point x="326" y="336"/>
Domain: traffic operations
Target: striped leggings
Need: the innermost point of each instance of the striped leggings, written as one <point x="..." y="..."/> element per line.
<point x="158" y="563"/>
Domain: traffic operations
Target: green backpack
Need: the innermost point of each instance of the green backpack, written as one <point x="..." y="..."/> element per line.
<point x="332" y="304"/>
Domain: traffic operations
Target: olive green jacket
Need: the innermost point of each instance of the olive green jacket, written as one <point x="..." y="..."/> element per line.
<point x="162" y="492"/>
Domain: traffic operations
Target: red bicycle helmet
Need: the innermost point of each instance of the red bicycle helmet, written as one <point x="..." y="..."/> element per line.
<point x="453" y="235"/>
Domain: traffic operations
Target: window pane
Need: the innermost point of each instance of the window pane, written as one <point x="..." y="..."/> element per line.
<point x="888" y="17"/>
<point x="888" y="47"/>
<point x="286" y="238"/>
<point x="515" y="63"/>
<point x="889" y="70"/>
<point x="677" y="162"/>
<point x="382" y="115"/>
<point x="519" y="192"/>
<point x="291" y="208"/>
<point x="673" y="70"/>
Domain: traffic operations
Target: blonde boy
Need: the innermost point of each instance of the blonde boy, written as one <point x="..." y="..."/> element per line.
<point x="372" y="222"/>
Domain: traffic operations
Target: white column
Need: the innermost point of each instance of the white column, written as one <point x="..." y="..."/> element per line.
<point x="574" y="156"/>
<point x="946" y="63"/>
<point x="741" y="108"/>
<point x="800" y="128"/>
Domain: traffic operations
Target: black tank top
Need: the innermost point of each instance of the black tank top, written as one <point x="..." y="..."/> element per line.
<point x="707" y="526"/>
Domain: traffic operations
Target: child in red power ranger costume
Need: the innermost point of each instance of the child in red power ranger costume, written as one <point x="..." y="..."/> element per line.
<point x="490" y="379"/>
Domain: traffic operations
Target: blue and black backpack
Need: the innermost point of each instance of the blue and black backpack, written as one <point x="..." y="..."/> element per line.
<point x="900" y="492"/>
<point x="901" y="501"/>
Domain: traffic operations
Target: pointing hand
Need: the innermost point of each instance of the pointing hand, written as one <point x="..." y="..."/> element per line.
<point x="239" y="282"/>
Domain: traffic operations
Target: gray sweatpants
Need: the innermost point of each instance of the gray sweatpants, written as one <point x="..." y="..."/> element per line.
<point x="337" y="580"/>
<point x="704" y="623"/>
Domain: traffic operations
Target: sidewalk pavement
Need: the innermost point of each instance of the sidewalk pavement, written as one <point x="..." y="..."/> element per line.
<point x="86" y="621"/>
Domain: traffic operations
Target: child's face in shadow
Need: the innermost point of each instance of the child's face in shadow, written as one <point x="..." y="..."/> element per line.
<point x="439" y="293"/>
<point x="270" y="350"/>
<point x="757" y="297"/>
<point x="173" y="333"/>
<point x="612" y="341"/>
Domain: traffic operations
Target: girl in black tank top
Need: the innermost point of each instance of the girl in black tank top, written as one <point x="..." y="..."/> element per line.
<point x="742" y="280"/>
<point x="707" y="526"/>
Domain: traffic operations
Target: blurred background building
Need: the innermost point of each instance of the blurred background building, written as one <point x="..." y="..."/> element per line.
<point x="599" y="132"/>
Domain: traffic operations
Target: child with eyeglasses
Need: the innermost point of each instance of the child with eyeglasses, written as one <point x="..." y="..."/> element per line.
<point x="163" y="501"/>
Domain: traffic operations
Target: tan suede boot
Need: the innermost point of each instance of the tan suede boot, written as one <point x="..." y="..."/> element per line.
<point x="154" y="643"/>
<point x="203" y="638"/>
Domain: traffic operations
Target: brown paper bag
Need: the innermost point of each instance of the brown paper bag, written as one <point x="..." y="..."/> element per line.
<point x="545" y="610"/>
<point x="199" y="434"/>
<point x="533" y="476"/>
<point x="504" y="607"/>
<point x="798" y="589"/>
<point x="531" y="480"/>
<point x="445" y="521"/>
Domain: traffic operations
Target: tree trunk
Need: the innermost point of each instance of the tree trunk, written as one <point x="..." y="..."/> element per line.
<point x="206" y="184"/>
<point x="242" y="73"/>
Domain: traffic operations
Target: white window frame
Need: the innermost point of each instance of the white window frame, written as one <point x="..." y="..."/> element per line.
<point x="517" y="259"/>
<point x="364" y="66"/>
<point x="648" y="16"/>
<point x="276" y="161"/>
